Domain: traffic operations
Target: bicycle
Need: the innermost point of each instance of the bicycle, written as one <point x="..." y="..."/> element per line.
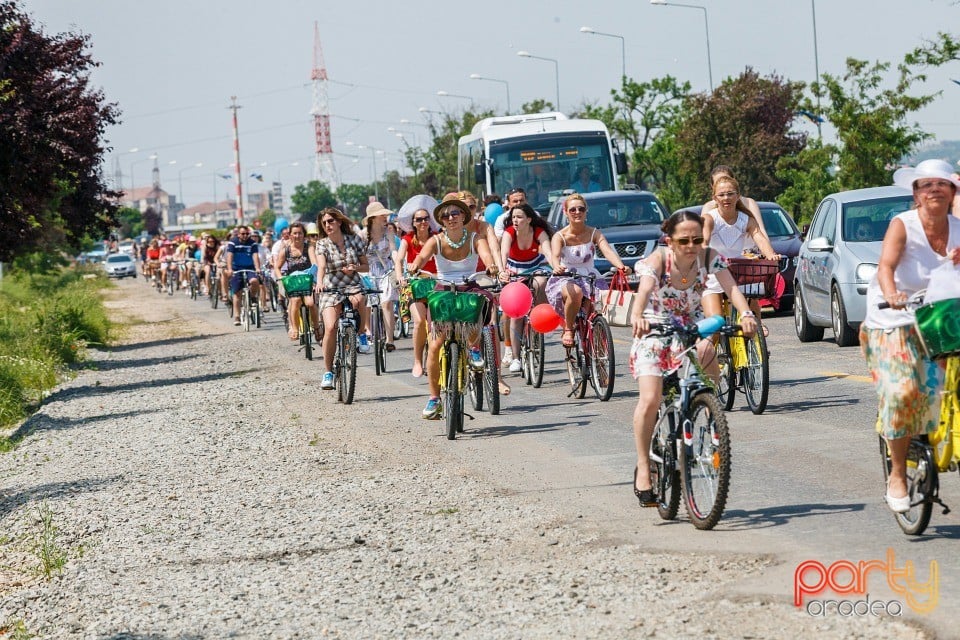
<point x="345" y="357"/>
<point x="939" y="452"/>
<point x="249" y="310"/>
<point x="271" y="290"/>
<point x="691" y="441"/>
<point x="194" y="279"/>
<point x="173" y="272"/>
<point x="590" y="360"/>
<point x="301" y="285"/>
<point x="378" y="330"/>
<point x="214" y="291"/>
<point x="483" y="382"/>
<point x="532" y="346"/>
<point x="745" y="363"/>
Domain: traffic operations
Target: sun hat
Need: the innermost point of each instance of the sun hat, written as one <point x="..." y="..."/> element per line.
<point x="411" y="206"/>
<point x="906" y="176"/>
<point x="451" y="200"/>
<point x="312" y="229"/>
<point x="375" y="209"/>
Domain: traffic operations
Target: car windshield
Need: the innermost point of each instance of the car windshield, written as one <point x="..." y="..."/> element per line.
<point x="777" y="222"/>
<point x="867" y="220"/>
<point x="624" y="210"/>
<point x="118" y="259"/>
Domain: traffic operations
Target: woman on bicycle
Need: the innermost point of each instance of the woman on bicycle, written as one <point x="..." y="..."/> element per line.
<point x="208" y="259"/>
<point x="906" y="381"/>
<point x="673" y="282"/>
<point x="153" y="259"/>
<point x="411" y="245"/>
<point x="297" y="255"/>
<point x="753" y="209"/>
<point x="380" y="258"/>
<point x="457" y="253"/>
<point x="572" y="250"/>
<point x="525" y="245"/>
<point x="729" y="229"/>
<point x="340" y="257"/>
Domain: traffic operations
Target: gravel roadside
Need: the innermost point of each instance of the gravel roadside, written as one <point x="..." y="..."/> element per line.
<point x="198" y="485"/>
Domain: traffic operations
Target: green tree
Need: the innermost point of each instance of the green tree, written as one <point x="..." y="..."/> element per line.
<point x="810" y="177"/>
<point x="439" y="175"/>
<point x="935" y="53"/>
<point x="308" y="200"/>
<point x="745" y="124"/>
<point x="537" y="106"/>
<point x="354" y="198"/>
<point x="266" y="219"/>
<point x="152" y="221"/>
<point x="129" y="222"/>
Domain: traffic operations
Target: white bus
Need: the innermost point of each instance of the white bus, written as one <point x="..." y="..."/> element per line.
<point x="545" y="154"/>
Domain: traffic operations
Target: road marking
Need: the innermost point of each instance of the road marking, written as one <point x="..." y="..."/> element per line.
<point x="840" y="374"/>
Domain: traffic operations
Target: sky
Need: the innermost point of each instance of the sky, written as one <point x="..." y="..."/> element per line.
<point x="172" y="67"/>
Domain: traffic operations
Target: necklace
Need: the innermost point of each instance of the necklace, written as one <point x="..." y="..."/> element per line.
<point x="458" y="244"/>
<point x="683" y="277"/>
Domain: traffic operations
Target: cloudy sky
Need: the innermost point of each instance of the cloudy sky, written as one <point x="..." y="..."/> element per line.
<point x="172" y="66"/>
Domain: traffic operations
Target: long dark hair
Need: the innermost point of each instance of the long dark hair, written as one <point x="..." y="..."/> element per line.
<point x="670" y="224"/>
<point x="346" y="226"/>
<point x="536" y="221"/>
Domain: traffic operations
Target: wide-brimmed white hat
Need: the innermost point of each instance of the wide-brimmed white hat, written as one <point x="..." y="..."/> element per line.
<point x="411" y="206"/>
<point x="927" y="169"/>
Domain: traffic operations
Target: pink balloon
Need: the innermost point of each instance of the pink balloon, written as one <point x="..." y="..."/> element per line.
<point x="544" y="319"/>
<point x="515" y="299"/>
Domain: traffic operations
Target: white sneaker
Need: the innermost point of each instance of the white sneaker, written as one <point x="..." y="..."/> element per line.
<point x="507" y="356"/>
<point x="515" y="366"/>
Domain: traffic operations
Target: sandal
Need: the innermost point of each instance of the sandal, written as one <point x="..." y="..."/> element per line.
<point x="390" y="347"/>
<point x="566" y="338"/>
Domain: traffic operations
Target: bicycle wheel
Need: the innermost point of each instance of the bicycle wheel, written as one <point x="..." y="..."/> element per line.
<point x="257" y="314"/>
<point x="475" y="388"/>
<point x="348" y="365"/>
<point x="536" y="357"/>
<point x="705" y="461"/>
<point x="245" y="310"/>
<point x="575" y="372"/>
<point x="664" y="474"/>
<point x="922" y="483"/>
<point x="306" y="335"/>
<point x="602" y="360"/>
<point x="727" y="388"/>
<point x="491" y="372"/>
<point x="274" y="295"/>
<point x="171" y="279"/>
<point x="756" y="377"/>
<point x="452" y="400"/>
<point x="194" y="285"/>
<point x="214" y="291"/>
<point x="379" y="340"/>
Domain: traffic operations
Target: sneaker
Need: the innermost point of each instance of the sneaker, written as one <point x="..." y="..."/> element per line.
<point x="327" y="382"/>
<point x="363" y="345"/>
<point x="507" y="355"/>
<point x="475" y="358"/>
<point x="433" y="410"/>
<point x="515" y="366"/>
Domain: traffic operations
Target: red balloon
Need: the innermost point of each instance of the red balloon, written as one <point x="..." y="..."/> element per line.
<point x="544" y="319"/>
<point x="515" y="299"/>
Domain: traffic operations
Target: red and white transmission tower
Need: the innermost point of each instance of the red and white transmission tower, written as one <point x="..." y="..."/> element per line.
<point x="323" y="169"/>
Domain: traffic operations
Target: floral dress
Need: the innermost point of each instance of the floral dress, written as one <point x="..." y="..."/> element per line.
<point x="334" y="277"/>
<point x="380" y="259"/>
<point x="653" y="355"/>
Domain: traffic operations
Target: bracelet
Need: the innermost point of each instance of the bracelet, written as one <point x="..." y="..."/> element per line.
<point x="748" y="314"/>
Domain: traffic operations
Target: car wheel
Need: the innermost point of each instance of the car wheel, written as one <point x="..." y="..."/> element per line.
<point x="806" y="332"/>
<point x="842" y="331"/>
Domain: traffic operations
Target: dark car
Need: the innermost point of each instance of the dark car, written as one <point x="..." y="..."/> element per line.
<point x="786" y="240"/>
<point x="629" y="220"/>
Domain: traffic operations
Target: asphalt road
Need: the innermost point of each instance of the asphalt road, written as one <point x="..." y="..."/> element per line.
<point x="806" y="480"/>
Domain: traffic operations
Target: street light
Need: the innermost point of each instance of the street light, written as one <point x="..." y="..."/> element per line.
<point x="477" y="76"/>
<point x="706" y="26"/>
<point x="444" y="94"/>
<point x="180" y="177"/>
<point x="816" y="65"/>
<point x="411" y="123"/>
<point x="556" y="70"/>
<point x="373" y="155"/>
<point x="399" y="133"/>
<point x="623" y="46"/>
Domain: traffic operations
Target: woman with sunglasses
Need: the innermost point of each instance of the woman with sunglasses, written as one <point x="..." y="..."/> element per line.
<point x="458" y="253"/>
<point x="340" y="258"/>
<point x="673" y="281"/>
<point x="298" y="255"/>
<point x="572" y="250"/>
<point x="728" y="230"/>
<point x="411" y="245"/>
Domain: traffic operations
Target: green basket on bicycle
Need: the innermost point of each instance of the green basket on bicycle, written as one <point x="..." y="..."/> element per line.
<point x="298" y="284"/>
<point x="455" y="306"/>
<point x="938" y="325"/>
<point x="422" y="287"/>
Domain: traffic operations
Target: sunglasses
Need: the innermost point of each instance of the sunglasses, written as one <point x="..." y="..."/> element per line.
<point x="685" y="241"/>
<point x="421" y="219"/>
<point x="243" y="234"/>
<point x="451" y="214"/>
<point x="727" y="194"/>
<point x="577" y="209"/>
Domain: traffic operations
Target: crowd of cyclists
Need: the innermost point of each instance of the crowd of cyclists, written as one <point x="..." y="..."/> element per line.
<point x="388" y="253"/>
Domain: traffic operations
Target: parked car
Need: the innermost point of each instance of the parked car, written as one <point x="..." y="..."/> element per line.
<point x="786" y="240"/>
<point x="95" y="255"/>
<point x="838" y="259"/>
<point x="629" y="220"/>
<point x="120" y="265"/>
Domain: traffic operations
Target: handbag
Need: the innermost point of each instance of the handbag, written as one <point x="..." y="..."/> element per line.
<point x="616" y="303"/>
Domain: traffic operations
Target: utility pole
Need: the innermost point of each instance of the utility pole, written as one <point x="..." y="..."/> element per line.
<point x="236" y="159"/>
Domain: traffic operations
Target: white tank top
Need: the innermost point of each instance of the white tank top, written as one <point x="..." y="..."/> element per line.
<point x="729" y="240"/>
<point x="913" y="272"/>
<point x="457" y="270"/>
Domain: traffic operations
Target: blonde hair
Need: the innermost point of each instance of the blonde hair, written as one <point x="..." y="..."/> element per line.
<point x="574" y="196"/>
<point x="740" y="206"/>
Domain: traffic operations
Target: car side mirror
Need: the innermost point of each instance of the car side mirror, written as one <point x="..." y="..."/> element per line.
<point x="819" y="244"/>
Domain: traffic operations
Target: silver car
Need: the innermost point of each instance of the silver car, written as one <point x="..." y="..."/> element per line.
<point x="120" y="265"/>
<point x="838" y="259"/>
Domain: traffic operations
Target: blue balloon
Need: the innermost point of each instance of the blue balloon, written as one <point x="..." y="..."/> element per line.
<point x="280" y="224"/>
<point x="492" y="212"/>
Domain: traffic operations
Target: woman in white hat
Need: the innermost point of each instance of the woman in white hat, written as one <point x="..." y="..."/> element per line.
<point x="907" y="382"/>
<point x="380" y="260"/>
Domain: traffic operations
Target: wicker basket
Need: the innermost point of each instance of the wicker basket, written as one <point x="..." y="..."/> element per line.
<point x="755" y="278"/>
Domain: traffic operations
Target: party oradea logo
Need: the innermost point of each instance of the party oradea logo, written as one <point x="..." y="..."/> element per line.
<point x="814" y="582"/>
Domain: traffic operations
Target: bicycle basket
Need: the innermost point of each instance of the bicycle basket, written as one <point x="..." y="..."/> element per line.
<point x="755" y="278"/>
<point x="421" y="287"/>
<point x="297" y="284"/>
<point x="938" y="325"/>
<point x="453" y="306"/>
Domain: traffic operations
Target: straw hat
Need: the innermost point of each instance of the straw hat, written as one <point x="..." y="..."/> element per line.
<point x="927" y="169"/>
<point x="375" y="209"/>
<point x="312" y="229"/>
<point x="449" y="200"/>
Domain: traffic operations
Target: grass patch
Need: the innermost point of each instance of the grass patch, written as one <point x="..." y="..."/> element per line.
<point x="16" y="629"/>
<point x="449" y="511"/>
<point x="52" y="557"/>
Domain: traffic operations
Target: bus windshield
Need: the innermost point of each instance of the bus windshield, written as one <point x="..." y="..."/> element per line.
<point x="545" y="165"/>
